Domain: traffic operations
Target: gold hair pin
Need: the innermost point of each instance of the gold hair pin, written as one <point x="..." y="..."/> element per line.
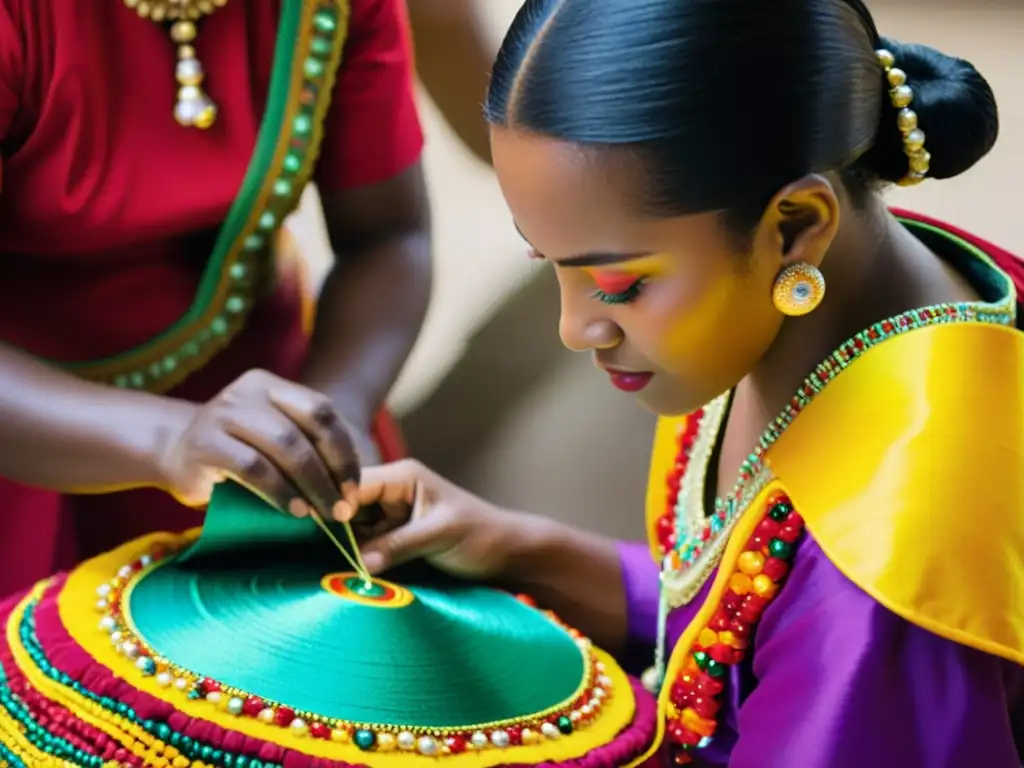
<point x="902" y="96"/>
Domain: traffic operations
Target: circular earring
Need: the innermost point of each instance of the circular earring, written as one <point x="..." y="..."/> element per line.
<point x="798" y="289"/>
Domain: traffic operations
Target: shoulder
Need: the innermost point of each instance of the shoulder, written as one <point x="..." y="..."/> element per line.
<point x="909" y="471"/>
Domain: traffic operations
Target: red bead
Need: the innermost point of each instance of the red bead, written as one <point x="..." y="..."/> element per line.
<point x="284" y="716"/>
<point x="741" y="629"/>
<point x="320" y="731"/>
<point x="683" y="736"/>
<point x="121" y="754"/>
<point x="680" y="693"/>
<point x="682" y="758"/>
<point x="457" y="745"/>
<point x="720" y="621"/>
<point x="732" y="602"/>
<point x="209" y="686"/>
<point x="767" y="528"/>
<point x="253" y="706"/>
<point x="707" y="685"/>
<point x="795" y="519"/>
<point x="775" y="569"/>
<point x="723" y="654"/>
<point x="515" y="735"/>
<point x="705" y="706"/>
<point x="789" y="532"/>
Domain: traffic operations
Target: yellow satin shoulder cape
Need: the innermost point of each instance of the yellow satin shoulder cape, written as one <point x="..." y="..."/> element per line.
<point x="909" y="471"/>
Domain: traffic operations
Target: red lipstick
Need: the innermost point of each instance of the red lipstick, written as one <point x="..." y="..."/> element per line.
<point x="629" y="381"/>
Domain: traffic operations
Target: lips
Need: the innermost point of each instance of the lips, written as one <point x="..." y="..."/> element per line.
<point x="629" y="381"/>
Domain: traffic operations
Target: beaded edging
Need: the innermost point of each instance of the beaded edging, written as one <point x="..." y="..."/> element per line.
<point x="311" y="39"/>
<point x="580" y="711"/>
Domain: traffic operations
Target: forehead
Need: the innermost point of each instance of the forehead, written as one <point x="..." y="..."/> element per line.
<point x="565" y="199"/>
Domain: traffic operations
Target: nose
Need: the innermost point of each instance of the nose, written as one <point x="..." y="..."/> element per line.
<point x="584" y="328"/>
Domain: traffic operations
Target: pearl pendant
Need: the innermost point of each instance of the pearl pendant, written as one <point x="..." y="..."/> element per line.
<point x="194" y="109"/>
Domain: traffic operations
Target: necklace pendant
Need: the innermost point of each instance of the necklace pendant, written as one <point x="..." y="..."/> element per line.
<point x="194" y="109"/>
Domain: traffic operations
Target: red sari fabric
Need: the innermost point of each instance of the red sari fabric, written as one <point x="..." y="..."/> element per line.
<point x="108" y="210"/>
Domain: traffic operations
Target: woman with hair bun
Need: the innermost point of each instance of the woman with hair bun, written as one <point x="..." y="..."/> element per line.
<point x="834" y="576"/>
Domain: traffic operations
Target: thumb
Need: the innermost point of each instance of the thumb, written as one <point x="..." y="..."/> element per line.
<point x="421" y="537"/>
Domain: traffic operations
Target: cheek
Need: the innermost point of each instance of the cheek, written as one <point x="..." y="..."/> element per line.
<point x="718" y="329"/>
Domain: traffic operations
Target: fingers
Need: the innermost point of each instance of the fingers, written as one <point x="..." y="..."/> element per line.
<point x="231" y="457"/>
<point x="424" y="535"/>
<point x="285" y="445"/>
<point x="316" y="416"/>
<point x="394" y="483"/>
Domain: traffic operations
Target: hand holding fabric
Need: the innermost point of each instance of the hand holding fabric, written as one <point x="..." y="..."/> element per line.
<point x="284" y="441"/>
<point x="425" y="516"/>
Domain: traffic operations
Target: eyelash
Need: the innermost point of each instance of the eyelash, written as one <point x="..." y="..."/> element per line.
<point x="623" y="297"/>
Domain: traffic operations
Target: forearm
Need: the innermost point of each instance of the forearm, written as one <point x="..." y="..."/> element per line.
<point x="574" y="573"/>
<point x="65" y="434"/>
<point x="369" y="314"/>
<point x="453" y="60"/>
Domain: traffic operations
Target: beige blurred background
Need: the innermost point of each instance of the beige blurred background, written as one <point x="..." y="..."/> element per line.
<point x="493" y="401"/>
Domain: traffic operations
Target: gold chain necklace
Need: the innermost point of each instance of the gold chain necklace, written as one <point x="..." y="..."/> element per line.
<point x="193" y="108"/>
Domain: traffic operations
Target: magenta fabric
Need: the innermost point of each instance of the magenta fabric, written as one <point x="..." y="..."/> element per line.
<point x="68" y="657"/>
<point x="837" y="681"/>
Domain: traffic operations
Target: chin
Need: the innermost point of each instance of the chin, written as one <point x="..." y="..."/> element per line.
<point x="660" y="405"/>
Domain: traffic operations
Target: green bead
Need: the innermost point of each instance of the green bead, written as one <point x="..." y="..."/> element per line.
<point x="322" y="46"/>
<point x="170" y="363"/>
<point x="138" y="380"/>
<point x="565" y="725"/>
<point x="121" y="382"/>
<point x="268" y="220"/>
<point x="282" y="187"/>
<point x="234" y="304"/>
<point x="189" y="349"/>
<point x="292" y="162"/>
<point x="313" y="68"/>
<point x="324" y="21"/>
<point x="702" y="659"/>
<point x="253" y="242"/>
<point x="219" y="326"/>
<point x="302" y="124"/>
<point x="238" y="271"/>
<point x="780" y="549"/>
<point x="715" y="669"/>
<point x="364" y="739"/>
<point x="780" y="511"/>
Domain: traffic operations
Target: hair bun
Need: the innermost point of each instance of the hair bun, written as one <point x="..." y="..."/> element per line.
<point x="956" y="110"/>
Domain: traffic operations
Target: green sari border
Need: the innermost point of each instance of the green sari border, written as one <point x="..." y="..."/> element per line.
<point x="310" y="40"/>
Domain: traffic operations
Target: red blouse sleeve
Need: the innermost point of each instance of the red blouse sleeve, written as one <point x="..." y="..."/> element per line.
<point x="372" y="130"/>
<point x="11" y="74"/>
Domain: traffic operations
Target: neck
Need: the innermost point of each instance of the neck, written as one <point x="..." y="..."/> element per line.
<point x="875" y="269"/>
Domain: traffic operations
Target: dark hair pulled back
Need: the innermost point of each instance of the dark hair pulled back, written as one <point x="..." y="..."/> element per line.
<point x="726" y="101"/>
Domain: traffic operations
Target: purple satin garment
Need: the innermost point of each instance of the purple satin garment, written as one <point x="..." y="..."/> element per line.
<point x="835" y="680"/>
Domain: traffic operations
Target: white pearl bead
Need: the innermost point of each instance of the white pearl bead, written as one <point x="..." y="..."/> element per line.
<point x="500" y="739"/>
<point x="550" y="730"/>
<point x="213" y="697"/>
<point x="604" y="681"/>
<point x="427" y="746"/>
<point x="651" y="680"/>
<point x="406" y="741"/>
<point x="145" y="561"/>
<point x="479" y="740"/>
<point x="102" y="605"/>
<point x="235" y="705"/>
<point x="125" y="571"/>
<point x="164" y="679"/>
<point x="130" y="649"/>
<point x="266" y="715"/>
<point x="575" y="716"/>
<point x="599" y="693"/>
<point x="586" y="710"/>
<point x="107" y="624"/>
<point x="181" y="684"/>
<point x="299" y="727"/>
<point x="103" y="590"/>
<point x="116" y="638"/>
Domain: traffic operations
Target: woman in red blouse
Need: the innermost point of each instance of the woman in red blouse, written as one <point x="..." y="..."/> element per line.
<point x="151" y="311"/>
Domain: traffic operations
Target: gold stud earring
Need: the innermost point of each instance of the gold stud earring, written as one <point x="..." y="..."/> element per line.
<point x="798" y="289"/>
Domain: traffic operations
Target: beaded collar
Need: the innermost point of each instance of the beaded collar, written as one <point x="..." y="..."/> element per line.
<point x="692" y="541"/>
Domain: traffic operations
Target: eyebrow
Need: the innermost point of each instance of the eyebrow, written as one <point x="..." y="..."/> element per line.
<point x="591" y="259"/>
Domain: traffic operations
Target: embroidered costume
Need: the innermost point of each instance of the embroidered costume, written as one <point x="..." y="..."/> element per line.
<point x="858" y="592"/>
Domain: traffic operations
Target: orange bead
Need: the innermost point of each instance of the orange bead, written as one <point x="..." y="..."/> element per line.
<point x="751" y="563"/>
<point x="764" y="587"/>
<point x="730" y="639"/>
<point x="708" y="637"/>
<point x="698" y="724"/>
<point x="739" y="583"/>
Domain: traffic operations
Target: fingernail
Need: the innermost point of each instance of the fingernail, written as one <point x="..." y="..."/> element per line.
<point x="374" y="562"/>
<point x="342" y="511"/>
<point x="298" y="508"/>
<point x="350" y="491"/>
